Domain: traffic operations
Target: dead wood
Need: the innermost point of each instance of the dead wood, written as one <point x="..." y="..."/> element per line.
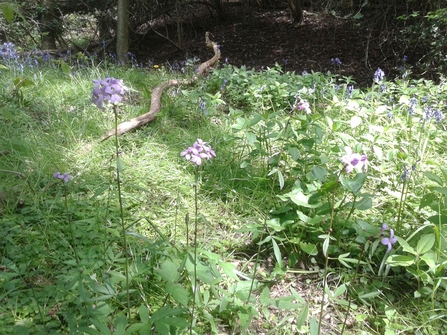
<point x="157" y="92"/>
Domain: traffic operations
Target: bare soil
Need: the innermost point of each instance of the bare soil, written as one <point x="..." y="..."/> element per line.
<point x="259" y="38"/>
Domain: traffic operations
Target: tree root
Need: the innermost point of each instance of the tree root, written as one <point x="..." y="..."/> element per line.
<point x="150" y="116"/>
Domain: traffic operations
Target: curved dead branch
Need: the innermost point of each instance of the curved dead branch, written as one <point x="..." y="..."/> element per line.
<point x="158" y="91"/>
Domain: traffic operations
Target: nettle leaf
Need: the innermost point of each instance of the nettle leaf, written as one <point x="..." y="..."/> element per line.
<point x="425" y="243"/>
<point x="168" y="271"/>
<point x="178" y="293"/>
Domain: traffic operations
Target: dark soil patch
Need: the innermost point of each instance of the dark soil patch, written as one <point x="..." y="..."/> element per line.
<point x="261" y="38"/>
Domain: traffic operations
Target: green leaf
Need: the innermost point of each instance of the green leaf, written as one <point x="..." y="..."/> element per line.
<point x="319" y="173"/>
<point x="433" y="177"/>
<point x="425" y="243"/>
<point x="299" y="198"/>
<point x="405" y="246"/>
<point x="294" y="153"/>
<point x="178" y="293"/>
<point x="302" y="317"/>
<point x="400" y="260"/>
<point x="168" y="271"/>
<point x="354" y="185"/>
<point x="65" y="67"/>
<point x="308" y="248"/>
<point x="8" y="12"/>
<point x="251" y="137"/>
<point x="143" y="312"/>
<point x="326" y="246"/>
<point x="255" y="120"/>
<point x="120" y="325"/>
<point x="313" y="326"/>
<point x="277" y="252"/>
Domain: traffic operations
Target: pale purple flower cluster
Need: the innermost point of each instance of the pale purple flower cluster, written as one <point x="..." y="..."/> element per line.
<point x="388" y="241"/>
<point x="109" y="89"/>
<point x="200" y="150"/>
<point x="353" y="160"/>
<point x="62" y="176"/>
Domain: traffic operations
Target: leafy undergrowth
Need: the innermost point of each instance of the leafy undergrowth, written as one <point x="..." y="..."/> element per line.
<point x="322" y="210"/>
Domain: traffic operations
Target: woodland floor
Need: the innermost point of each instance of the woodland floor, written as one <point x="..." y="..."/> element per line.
<point x="260" y="38"/>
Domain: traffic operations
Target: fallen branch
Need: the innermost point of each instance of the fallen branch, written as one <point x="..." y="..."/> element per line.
<point x="158" y="91"/>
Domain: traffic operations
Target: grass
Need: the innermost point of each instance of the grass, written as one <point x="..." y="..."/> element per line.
<point x="283" y="232"/>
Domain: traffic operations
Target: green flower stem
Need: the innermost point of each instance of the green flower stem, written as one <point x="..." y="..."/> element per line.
<point x="196" y="205"/>
<point x="123" y="227"/>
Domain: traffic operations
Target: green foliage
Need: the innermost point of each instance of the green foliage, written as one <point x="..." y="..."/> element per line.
<point x="138" y="242"/>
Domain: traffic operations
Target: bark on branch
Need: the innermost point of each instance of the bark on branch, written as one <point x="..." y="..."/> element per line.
<point x="158" y="91"/>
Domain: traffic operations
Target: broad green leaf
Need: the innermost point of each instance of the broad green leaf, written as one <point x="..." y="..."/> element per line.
<point x="264" y="297"/>
<point x="405" y="246"/>
<point x="354" y="185"/>
<point x="178" y="293"/>
<point x="299" y="198"/>
<point x="400" y="260"/>
<point x="294" y="153"/>
<point x="319" y="173"/>
<point x="229" y="269"/>
<point x="340" y="290"/>
<point x="65" y="67"/>
<point x="363" y="204"/>
<point x="308" y="248"/>
<point x="251" y="137"/>
<point x="427" y="199"/>
<point x="8" y="12"/>
<point x="431" y="260"/>
<point x="313" y="326"/>
<point x="425" y="243"/>
<point x="433" y="177"/>
<point x="255" y="120"/>
<point x="168" y="271"/>
<point x="120" y="325"/>
<point x="143" y="313"/>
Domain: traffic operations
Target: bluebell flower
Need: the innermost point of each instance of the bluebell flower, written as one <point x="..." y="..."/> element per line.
<point x="336" y="61"/>
<point x="383" y="88"/>
<point x="378" y="75"/>
<point x="404" y="58"/>
<point x="404" y="174"/>
<point x="349" y="90"/>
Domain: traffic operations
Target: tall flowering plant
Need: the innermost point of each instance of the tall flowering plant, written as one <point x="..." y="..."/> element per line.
<point x="111" y="91"/>
<point x="196" y="154"/>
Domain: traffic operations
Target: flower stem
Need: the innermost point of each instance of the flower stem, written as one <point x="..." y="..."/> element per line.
<point x="123" y="227"/>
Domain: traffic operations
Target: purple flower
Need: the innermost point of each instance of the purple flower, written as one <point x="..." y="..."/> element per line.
<point x="198" y="152"/>
<point x="336" y="61"/>
<point x="62" y="176"/>
<point x="389" y="241"/>
<point x="353" y="160"/>
<point x="109" y="89"/>
<point x="379" y="74"/>
<point x="303" y="105"/>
